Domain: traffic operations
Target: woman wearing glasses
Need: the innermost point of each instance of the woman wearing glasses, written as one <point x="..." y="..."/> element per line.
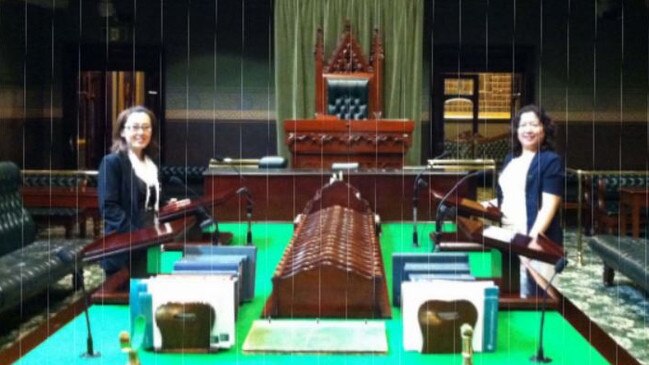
<point x="129" y="188"/>
<point x="530" y="187"/>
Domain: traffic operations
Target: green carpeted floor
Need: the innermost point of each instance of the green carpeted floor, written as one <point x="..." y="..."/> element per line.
<point x="517" y="332"/>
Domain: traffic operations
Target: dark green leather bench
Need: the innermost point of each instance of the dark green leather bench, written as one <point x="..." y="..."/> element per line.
<point x="623" y="254"/>
<point x="478" y="147"/>
<point x="192" y="176"/>
<point x="602" y="197"/>
<point x="27" y="266"/>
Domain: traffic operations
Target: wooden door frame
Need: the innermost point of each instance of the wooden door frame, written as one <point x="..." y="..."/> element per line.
<point x="449" y="59"/>
<point x="114" y="57"/>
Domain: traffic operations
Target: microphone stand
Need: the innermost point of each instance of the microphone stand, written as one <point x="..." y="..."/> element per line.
<point x="208" y="225"/>
<point x="68" y="257"/>
<point x="540" y="357"/>
<point x="419" y="182"/>
<point x="441" y="208"/>
<point x="243" y="190"/>
<point x="90" y="352"/>
<point x="249" y="205"/>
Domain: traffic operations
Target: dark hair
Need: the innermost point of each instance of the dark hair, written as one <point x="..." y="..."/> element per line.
<point x="548" y="129"/>
<point x="120" y="145"/>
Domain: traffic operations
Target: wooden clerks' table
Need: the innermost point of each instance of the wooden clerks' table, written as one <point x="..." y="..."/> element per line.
<point x="280" y="194"/>
<point x="633" y="198"/>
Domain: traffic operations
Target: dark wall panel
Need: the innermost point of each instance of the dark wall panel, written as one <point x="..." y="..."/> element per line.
<point x="196" y="141"/>
<point x="604" y="145"/>
<point x="45" y="143"/>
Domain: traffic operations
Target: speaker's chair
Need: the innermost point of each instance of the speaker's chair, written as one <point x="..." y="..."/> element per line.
<point x="349" y="125"/>
<point x="348" y="86"/>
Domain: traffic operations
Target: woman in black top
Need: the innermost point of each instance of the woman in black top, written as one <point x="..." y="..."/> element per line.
<point x="129" y="188"/>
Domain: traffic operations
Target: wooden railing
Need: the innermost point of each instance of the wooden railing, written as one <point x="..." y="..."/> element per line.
<point x="62" y="197"/>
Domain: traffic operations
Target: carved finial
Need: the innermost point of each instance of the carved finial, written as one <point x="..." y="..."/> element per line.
<point x="377" y="44"/>
<point x="466" y="331"/>
<point x="319" y="44"/>
<point x="348" y="25"/>
<point x="127" y="348"/>
<point x="376" y="53"/>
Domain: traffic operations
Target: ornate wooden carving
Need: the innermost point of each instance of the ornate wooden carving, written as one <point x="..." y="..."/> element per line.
<point x="373" y="143"/>
<point x="348" y="56"/>
<point x="332" y="266"/>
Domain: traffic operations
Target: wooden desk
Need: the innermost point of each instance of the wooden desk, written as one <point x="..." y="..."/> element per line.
<point x="317" y="143"/>
<point x="280" y="194"/>
<point x="633" y="198"/>
<point x="82" y="198"/>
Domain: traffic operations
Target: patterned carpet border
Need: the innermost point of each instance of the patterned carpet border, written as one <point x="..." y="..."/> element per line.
<point x="622" y="310"/>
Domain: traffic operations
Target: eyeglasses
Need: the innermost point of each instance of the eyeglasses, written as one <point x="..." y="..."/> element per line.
<point x="530" y="124"/>
<point x="137" y="127"/>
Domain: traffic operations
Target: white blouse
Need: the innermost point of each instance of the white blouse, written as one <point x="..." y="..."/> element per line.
<point x="147" y="171"/>
<point x="512" y="182"/>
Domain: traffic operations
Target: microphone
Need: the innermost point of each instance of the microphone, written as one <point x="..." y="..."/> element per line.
<point x="206" y="222"/>
<point x="441" y="208"/>
<point x="540" y="357"/>
<point x="242" y="191"/>
<point x="249" y="204"/>
<point x="419" y="182"/>
<point x="69" y="257"/>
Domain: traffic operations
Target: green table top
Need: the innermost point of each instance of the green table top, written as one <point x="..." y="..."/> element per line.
<point x="517" y="330"/>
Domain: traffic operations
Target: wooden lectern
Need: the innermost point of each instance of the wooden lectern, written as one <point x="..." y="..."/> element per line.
<point x="474" y="235"/>
<point x="175" y="220"/>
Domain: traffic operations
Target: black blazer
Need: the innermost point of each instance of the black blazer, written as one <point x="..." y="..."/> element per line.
<point x="545" y="174"/>
<point x="121" y="194"/>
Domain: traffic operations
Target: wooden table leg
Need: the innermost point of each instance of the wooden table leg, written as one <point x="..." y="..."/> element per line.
<point x="635" y="219"/>
<point x="623" y="214"/>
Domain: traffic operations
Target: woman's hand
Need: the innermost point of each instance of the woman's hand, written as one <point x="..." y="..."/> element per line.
<point x="534" y="244"/>
<point x="550" y="204"/>
<point x="490" y="204"/>
<point x="175" y="204"/>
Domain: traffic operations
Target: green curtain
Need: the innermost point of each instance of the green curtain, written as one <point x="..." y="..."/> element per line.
<point x="401" y="25"/>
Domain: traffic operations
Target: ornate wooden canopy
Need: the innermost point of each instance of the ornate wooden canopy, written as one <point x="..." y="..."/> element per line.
<point x="349" y="125"/>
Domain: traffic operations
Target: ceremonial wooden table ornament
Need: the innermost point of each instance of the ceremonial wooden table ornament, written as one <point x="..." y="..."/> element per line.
<point x="185" y="327"/>
<point x="332" y="266"/>
<point x="440" y="322"/>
